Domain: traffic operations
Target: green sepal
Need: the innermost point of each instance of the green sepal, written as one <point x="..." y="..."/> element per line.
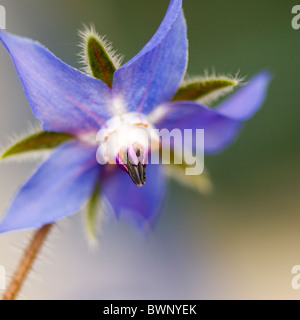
<point x="43" y="140"/>
<point x="177" y="172"/>
<point x="92" y="210"/>
<point x="211" y="87"/>
<point x="200" y="183"/>
<point x="99" y="60"/>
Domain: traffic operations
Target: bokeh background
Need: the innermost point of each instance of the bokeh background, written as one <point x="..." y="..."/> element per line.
<point x="240" y="242"/>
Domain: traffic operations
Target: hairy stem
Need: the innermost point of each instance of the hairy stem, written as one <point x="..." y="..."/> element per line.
<point x="26" y="262"/>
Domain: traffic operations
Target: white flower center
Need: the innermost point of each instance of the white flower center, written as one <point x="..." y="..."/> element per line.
<point x="126" y="134"/>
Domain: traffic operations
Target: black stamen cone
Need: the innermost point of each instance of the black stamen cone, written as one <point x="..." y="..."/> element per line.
<point x="137" y="173"/>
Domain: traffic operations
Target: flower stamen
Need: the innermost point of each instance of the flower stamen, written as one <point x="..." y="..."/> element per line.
<point x="133" y="162"/>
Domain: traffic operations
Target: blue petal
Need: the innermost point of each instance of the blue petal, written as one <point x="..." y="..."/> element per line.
<point x="154" y="74"/>
<point x="221" y="125"/>
<point x="219" y="130"/>
<point x="245" y="102"/>
<point x="58" y="188"/>
<point x="142" y="204"/>
<point x="63" y="98"/>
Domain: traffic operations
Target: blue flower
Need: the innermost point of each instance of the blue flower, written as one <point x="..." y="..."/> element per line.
<point x="69" y="101"/>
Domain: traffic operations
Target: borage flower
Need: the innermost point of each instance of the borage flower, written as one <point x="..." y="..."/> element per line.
<point x="146" y="91"/>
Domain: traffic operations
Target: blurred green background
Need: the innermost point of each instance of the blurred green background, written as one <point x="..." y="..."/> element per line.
<point x="240" y="242"/>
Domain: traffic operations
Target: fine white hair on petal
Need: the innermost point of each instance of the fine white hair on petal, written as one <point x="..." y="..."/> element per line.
<point x="208" y="76"/>
<point x="90" y="31"/>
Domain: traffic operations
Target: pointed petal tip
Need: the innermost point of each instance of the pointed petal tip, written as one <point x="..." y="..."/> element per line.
<point x="144" y="81"/>
<point x="247" y="100"/>
<point x="268" y="74"/>
<point x="264" y="75"/>
<point x="51" y="88"/>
